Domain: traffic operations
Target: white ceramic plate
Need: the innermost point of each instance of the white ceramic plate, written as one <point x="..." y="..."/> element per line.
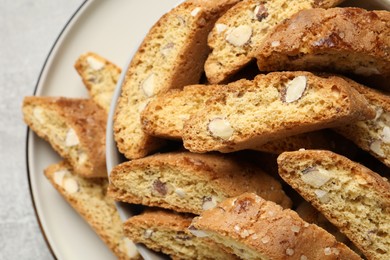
<point x="112" y="29"/>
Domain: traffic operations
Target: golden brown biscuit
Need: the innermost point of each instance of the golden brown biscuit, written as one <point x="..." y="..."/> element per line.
<point x="350" y="40"/>
<point x="238" y="33"/>
<point x="88" y="197"/>
<point x="75" y="128"/>
<point x="352" y="197"/>
<point x="166" y="231"/>
<point x="254" y="228"/>
<point x="188" y="182"/>
<point x="273" y="106"/>
<point x="171" y="56"/>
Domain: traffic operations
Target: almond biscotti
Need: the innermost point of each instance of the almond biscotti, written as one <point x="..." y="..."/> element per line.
<point x="238" y="33"/>
<point x="88" y="198"/>
<point x="349" y="40"/>
<point x="187" y="182"/>
<point x="352" y="197"/>
<point x="271" y="107"/>
<point x="99" y="76"/>
<point x="165" y="114"/>
<point x="171" y="56"/>
<point x="372" y="135"/>
<point x="75" y="128"/>
<point x="167" y="232"/>
<point x="254" y="228"/>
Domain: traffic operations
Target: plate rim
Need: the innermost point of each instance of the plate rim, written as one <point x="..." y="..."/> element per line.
<point x="50" y="54"/>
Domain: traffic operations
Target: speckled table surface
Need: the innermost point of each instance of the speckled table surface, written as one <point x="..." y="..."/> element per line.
<point x="28" y="29"/>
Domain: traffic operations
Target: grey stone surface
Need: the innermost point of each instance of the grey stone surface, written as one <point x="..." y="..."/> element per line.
<point x="28" y="29"/>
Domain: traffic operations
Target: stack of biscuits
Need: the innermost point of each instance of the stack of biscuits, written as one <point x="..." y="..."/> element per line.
<point x="246" y="131"/>
<point x="76" y="130"/>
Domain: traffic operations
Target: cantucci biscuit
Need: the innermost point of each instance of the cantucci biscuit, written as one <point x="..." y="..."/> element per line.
<point x="254" y="228"/>
<point x="238" y="33"/>
<point x="75" y="128"/>
<point x="352" y="197"/>
<point x="99" y="76"/>
<point x="349" y="40"/>
<point x="187" y="182"/>
<point x="88" y="197"/>
<point x="165" y="114"/>
<point x="272" y="106"/>
<point x="171" y="56"/>
<point x="372" y="135"/>
<point x="167" y="232"/>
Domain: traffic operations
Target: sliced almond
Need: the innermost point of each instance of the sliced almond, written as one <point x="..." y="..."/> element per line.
<point x="131" y="249"/>
<point x="196" y="232"/>
<point x="220" y="27"/>
<point x="240" y="35"/>
<point x="376" y="147"/>
<point x="58" y="176"/>
<point x="209" y="203"/>
<point x="83" y="158"/>
<point x="71" y="186"/>
<point x="220" y="127"/>
<point x="316" y="177"/>
<point x="386" y="135"/>
<point x="295" y="89"/>
<point x="94" y="63"/>
<point x="39" y="115"/>
<point x="275" y="43"/>
<point x="180" y="192"/>
<point x="148" y="233"/>
<point x="322" y="195"/>
<point x="148" y="85"/>
<point x="71" y="138"/>
<point x="195" y="11"/>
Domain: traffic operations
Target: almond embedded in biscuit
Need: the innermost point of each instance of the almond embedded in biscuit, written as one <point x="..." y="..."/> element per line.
<point x="240" y="35"/>
<point x="295" y="89"/>
<point x="220" y="127"/>
<point x="148" y="85"/>
<point x="71" y="138"/>
<point x="94" y="63"/>
<point x="70" y="185"/>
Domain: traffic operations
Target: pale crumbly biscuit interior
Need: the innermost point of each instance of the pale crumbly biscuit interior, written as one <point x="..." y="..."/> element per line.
<point x="88" y="197"/>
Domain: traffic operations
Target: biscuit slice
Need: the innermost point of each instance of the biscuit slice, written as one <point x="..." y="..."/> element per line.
<point x="165" y="114"/>
<point x="171" y="56"/>
<point x="272" y="107"/>
<point x="349" y="195"/>
<point x="349" y="40"/>
<point x="254" y="228"/>
<point x="74" y="127"/>
<point x="99" y="76"/>
<point x="167" y="232"/>
<point x="187" y="182"/>
<point x="238" y="33"/>
<point x="372" y="135"/>
<point x="88" y="197"/>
